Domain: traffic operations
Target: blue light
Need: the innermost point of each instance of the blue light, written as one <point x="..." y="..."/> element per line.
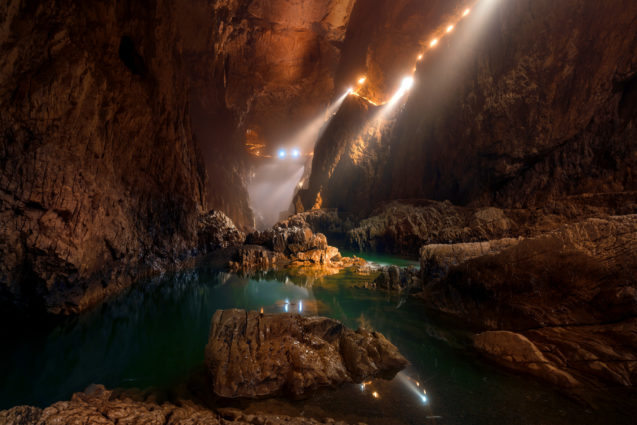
<point x="296" y="153"/>
<point x="281" y="153"/>
<point x="424" y="398"/>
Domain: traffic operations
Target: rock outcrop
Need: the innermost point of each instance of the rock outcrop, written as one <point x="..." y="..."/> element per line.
<point x="395" y="278"/>
<point x="403" y="227"/>
<point x="217" y="231"/>
<point x="100" y="406"/>
<point x="569" y="294"/>
<point x="289" y="243"/>
<point x="259" y="355"/>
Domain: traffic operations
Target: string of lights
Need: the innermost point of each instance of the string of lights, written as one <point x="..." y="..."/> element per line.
<point x="408" y="81"/>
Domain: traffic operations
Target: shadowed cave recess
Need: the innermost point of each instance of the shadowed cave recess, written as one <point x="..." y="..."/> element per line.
<point x="455" y="178"/>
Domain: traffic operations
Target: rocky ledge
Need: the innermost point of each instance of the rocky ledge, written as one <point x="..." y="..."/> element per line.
<point x="561" y="306"/>
<point x="99" y="406"/>
<point x="259" y="355"/>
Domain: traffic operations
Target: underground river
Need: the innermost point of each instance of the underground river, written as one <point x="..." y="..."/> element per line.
<point x="153" y="338"/>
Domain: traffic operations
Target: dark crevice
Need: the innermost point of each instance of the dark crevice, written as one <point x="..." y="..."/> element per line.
<point x="129" y="56"/>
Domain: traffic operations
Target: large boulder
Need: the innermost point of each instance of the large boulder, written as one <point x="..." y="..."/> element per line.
<point x="216" y="231"/>
<point x="259" y="355"/>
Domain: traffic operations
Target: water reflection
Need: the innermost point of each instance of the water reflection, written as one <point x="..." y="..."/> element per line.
<point x="154" y="336"/>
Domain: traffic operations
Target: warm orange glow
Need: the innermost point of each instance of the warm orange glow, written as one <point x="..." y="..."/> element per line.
<point x="375" y="394"/>
<point x="420" y="57"/>
<point x="364" y="98"/>
<point x="433" y="42"/>
<point x="362" y="80"/>
<point x="450" y="28"/>
<point x="466" y="12"/>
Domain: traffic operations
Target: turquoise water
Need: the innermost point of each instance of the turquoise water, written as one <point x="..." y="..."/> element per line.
<point x="154" y="337"/>
<point x="381" y="259"/>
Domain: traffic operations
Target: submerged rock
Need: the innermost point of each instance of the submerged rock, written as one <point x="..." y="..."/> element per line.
<point x="259" y="355"/>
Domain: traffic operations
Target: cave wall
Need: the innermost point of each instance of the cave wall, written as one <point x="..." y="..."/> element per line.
<point x="278" y="59"/>
<point x="532" y="102"/>
<point x="100" y="178"/>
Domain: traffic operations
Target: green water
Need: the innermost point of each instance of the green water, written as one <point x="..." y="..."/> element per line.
<point x="381" y="259"/>
<point x="154" y="336"/>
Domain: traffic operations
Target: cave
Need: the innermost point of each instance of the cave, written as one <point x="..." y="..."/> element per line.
<point x="318" y="211"/>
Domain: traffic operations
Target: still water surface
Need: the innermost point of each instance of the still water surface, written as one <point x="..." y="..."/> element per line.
<point x="154" y="336"/>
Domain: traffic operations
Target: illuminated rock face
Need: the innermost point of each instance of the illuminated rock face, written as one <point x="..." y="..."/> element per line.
<point x="530" y="104"/>
<point x="279" y="59"/>
<point x="258" y="355"/>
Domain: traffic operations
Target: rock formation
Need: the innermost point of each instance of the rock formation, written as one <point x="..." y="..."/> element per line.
<point x="256" y="355"/>
<point x="494" y="128"/>
<point x="100" y="406"/>
<point x="100" y="176"/>
<point x="290" y="243"/>
<point x="122" y="124"/>
<point x="568" y="299"/>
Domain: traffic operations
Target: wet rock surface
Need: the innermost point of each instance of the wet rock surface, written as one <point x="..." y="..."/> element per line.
<point x="100" y="406"/>
<point x="569" y="295"/>
<point x="258" y="355"/>
<point x="398" y="279"/>
<point x="290" y="243"/>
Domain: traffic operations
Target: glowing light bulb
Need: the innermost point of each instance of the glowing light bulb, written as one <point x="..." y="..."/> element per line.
<point x="424" y="399"/>
<point x="296" y="153"/>
<point x="450" y="28"/>
<point x="420" y="56"/>
<point x="375" y="394"/>
<point x="350" y="90"/>
<point x="433" y="42"/>
<point x="362" y="80"/>
<point x="466" y="12"/>
<point x="407" y="83"/>
<point x="281" y="153"/>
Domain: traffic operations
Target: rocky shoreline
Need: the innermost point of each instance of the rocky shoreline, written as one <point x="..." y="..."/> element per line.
<point x="97" y="405"/>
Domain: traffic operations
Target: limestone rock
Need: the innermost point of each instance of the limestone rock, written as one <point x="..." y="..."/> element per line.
<point x="437" y="259"/>
<point x="403" y="227"/>
<point x="516" y="352"/>
<point x="100" y="406"/>
<point x="398" y="279"/>
<point x="555" y="305"/>
<point x="217" y="231"/>
<point x="255" y="355"/>
<point x="290" y="242"/>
